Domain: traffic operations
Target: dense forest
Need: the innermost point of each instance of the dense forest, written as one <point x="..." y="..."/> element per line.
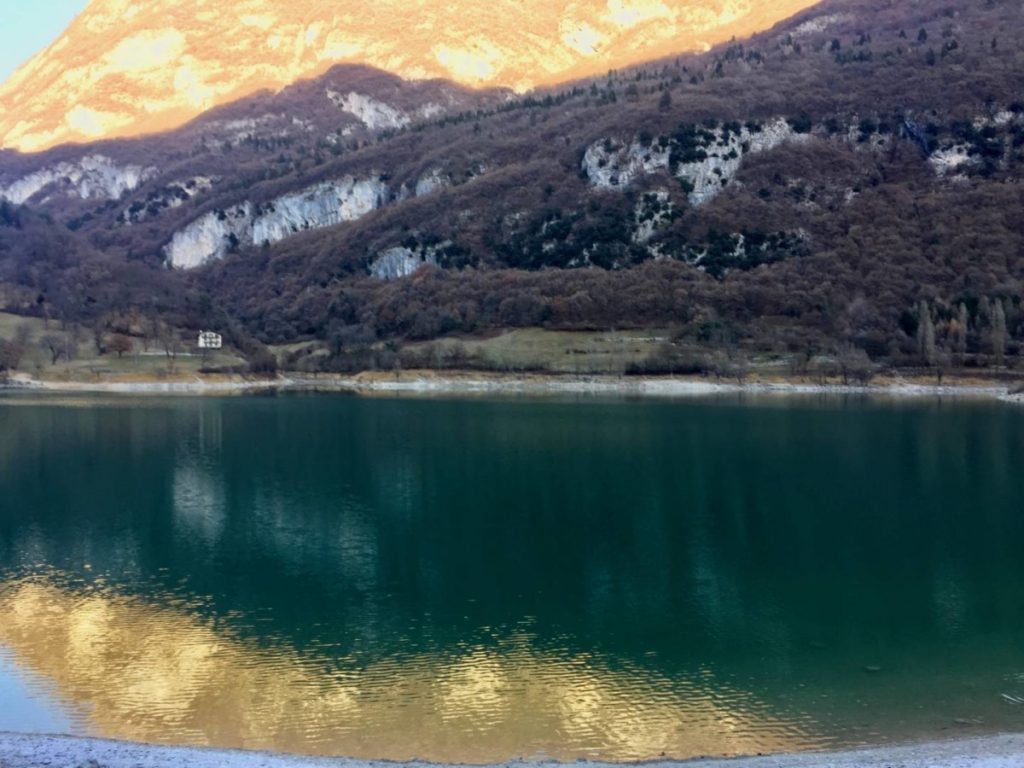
<point x="885" y="227"/>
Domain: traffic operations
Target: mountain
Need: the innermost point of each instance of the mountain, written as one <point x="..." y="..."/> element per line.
<point x="846" y="184"/>
<point x="127" y="68"/>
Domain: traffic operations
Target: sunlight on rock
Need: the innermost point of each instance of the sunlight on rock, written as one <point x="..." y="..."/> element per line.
<point x="147" y="51"/>
<point x="626" y="14"/>
<point x="475" y="65"/>
<point x="198" y="93"/>
<point x="582" y="38"/>
<point x="93" y="123"/>
<point x="162" y="55"/>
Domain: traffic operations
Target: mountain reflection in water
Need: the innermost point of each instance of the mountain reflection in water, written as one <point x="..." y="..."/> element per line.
<point x="473" y="581"/>
<point x="131" y="670"/>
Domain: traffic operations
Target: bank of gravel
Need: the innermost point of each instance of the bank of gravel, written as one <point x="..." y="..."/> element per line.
<point x="432" y="383"/>
<point x="194" y="386"/>
<point x="27" y="751"/>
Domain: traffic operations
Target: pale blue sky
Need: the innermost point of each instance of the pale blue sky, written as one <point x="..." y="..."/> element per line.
<point x="28" y="26"/>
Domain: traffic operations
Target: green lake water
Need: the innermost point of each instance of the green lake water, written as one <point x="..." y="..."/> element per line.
<point x="477" y="580"/>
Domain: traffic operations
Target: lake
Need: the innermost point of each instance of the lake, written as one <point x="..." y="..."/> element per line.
<point x="476" y="580"/>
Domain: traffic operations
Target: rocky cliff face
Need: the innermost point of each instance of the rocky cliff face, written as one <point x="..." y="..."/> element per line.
<point x="704" y="159"/>
<point x="375" y="115"/>
<point x="213" y="235"/>
<point x="125" y="68"/>
<point x="210" y="237"/>
<point x="396" y="263"/>
<point x="94" y="177"/>
<point x="324" y="205"/>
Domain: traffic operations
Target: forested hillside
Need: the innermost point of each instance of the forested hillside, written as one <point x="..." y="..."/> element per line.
<point x="846" y="185"/>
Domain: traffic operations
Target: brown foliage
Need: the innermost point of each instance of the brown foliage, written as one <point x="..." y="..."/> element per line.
<point x="882" y="232"/>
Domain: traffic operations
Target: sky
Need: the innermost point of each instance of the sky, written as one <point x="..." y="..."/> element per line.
<point x="28" y="26"/>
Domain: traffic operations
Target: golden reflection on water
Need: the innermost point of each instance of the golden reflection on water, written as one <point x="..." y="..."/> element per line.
<point x="165" y="674"/>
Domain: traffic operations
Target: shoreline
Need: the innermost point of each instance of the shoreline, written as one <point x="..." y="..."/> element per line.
<point x="31" y="751"/>
<point x="432" y="383"/>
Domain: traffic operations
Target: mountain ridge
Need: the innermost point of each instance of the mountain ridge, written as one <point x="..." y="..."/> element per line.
<point x="803" y="190"/>
<point x="168" y="61"/>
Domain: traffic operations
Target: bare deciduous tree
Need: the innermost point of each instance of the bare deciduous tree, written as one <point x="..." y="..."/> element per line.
<point x="169" y="342"/>
<point x="854" y="364"/>
<point x="6" y="358"/>
<point x="121" y="345"/>
<point x="99" y="336"/>
<point x="55" y="345"/>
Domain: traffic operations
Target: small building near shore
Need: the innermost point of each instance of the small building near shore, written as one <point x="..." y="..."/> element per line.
<point x="210" y="340"/>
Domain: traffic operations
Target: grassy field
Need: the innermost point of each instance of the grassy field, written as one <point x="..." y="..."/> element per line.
<point x="85" y="364"/>
<point x="648" y="352"/>
<point x="535" y="349"/>
<point x="516" y="352"/>
<point x="9" y="325"/>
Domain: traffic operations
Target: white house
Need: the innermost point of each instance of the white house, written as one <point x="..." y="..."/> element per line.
<point x="210" y="340"/>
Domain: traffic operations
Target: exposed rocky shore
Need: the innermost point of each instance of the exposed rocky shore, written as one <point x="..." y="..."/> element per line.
<point x="25" y="751"/>
<point x="474" y="383"/>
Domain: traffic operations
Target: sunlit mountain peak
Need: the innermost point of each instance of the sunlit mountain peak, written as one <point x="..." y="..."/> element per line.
<point x="126" y="67"/>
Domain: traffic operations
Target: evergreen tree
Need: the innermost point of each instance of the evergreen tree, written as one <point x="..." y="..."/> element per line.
<point x="999" y="332"/>
<point x="962" y="323"/>
<point x="925" y="334"/>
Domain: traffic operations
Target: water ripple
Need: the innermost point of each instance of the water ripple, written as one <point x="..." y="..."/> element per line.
<point x="130" y="668"/>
